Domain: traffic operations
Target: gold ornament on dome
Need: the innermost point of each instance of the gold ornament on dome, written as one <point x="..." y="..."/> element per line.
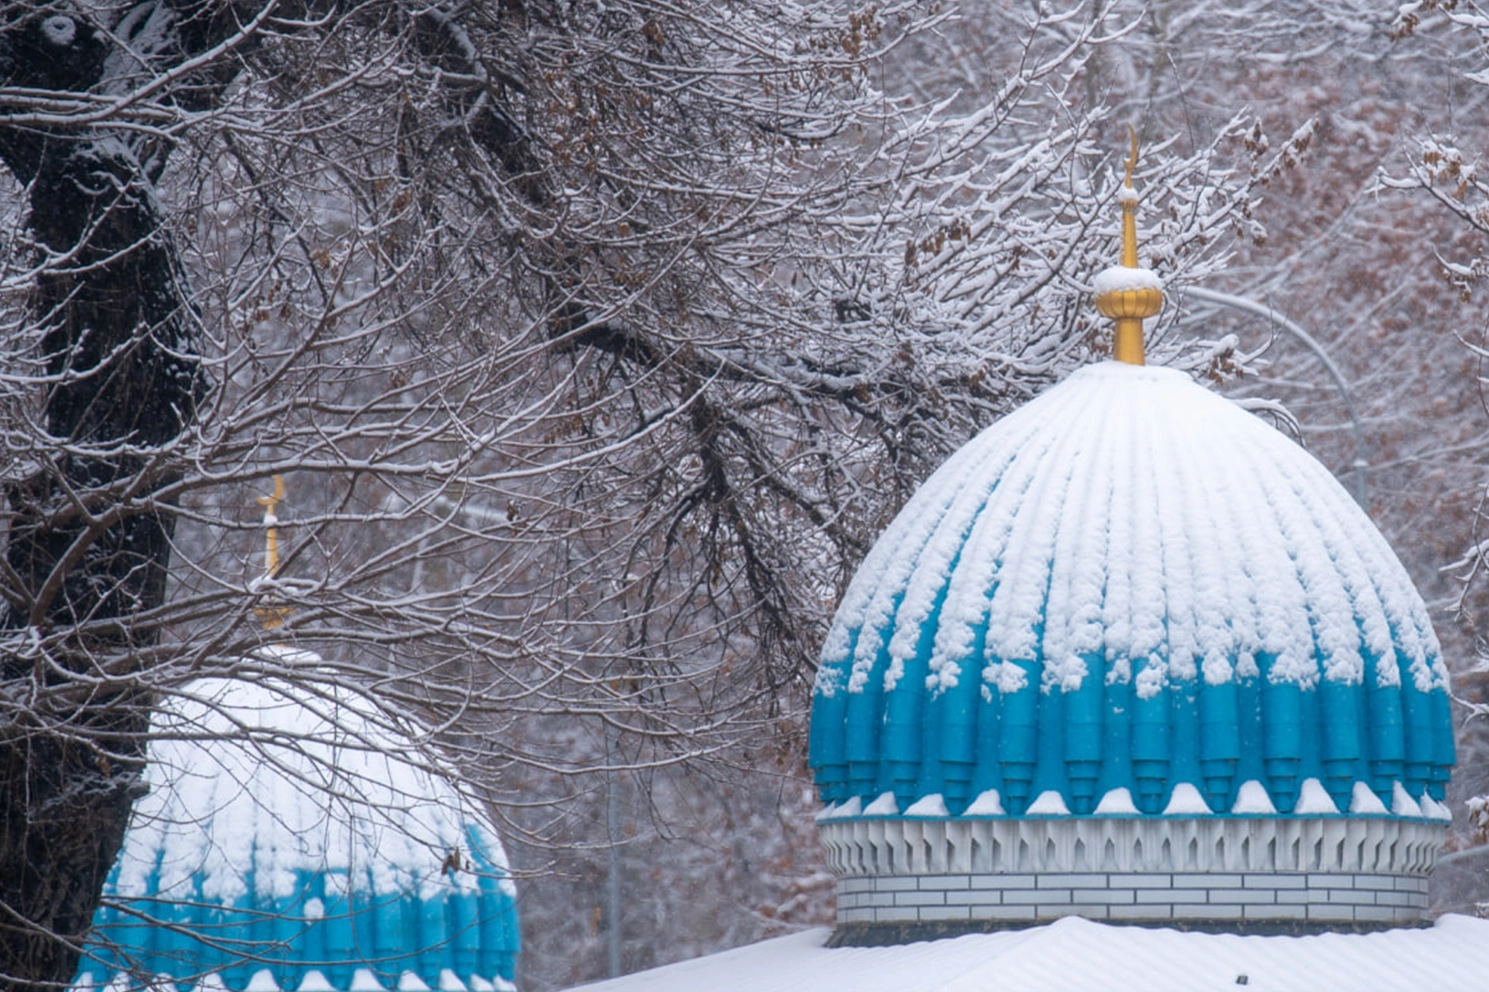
<point x="1128" y="293"/>
<point x="273" y="615"/>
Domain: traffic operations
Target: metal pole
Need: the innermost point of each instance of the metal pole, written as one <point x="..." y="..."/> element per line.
<point x="1262" y="310"/>
<point x="612" y="828"/>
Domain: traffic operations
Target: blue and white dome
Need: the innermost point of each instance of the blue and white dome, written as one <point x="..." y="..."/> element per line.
<point x="1132" y="597"/>
<point x="285" y="844"/>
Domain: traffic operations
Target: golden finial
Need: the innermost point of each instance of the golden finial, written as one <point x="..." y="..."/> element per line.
<point x="1127" y="293"/>
<point x="272" y="616"/>
<point x="1129" y="206"/>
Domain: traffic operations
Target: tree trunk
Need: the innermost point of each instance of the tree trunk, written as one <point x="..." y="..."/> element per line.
<point x="88" y="544"/>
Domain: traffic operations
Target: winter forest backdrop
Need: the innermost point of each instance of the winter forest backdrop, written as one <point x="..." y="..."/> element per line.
<point x="596" y="340"/>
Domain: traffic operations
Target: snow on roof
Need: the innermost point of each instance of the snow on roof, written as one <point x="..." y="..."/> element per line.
<point x="1077" y="955"/>
<point x="289" y="840"/>
<point x="1254" y="554"/>
<point x="1128" y="528"/>
<point x="264" y="773"/>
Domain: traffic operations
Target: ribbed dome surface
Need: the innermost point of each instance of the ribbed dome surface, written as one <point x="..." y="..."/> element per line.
<point x="1132" y="583"/>
<point x="319" y="860"/>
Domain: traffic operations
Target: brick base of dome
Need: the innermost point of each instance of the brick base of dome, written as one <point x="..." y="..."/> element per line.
<point x="1192" y="897"/>
<point x="1273" y="874"/>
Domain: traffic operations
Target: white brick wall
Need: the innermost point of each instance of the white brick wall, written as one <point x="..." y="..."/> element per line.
<point x="1148" y="896"/>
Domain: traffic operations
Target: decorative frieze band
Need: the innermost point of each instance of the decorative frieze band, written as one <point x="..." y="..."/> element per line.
<point x="908" y="846"/>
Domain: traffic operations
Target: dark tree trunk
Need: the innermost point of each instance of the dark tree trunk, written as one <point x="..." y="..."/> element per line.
<point x="88" y="544"/>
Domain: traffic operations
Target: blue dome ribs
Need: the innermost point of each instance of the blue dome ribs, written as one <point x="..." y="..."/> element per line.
<point x="827" y="732"/>
<point x="1421" y="737"/>
<point x="386" y="914"/>
<point x="987" y="774"/>
<point x="912" y="718"/>
<point x="1151" y="750"/>
<point x="1340" y="703"/>
<point x="1282" y="740"/>
<point x="338" y="944"/>
<point x="1161" y="592"/>
<point x="1084" y="710"/>
<point x="954" y="741"/>
<point x="260" y="876"/>
<point x="1219" y="741"/>
<point x="1445" y="754"/>
<point x="1116" y="753"/>
<point x="1084" y="539"/>
<point x="957" y="745"/>
<point x="1018" y="736"/>
<point x="863" y="724"/>
<point x="868" y="622"/>
<point x="1387" y="736"/>
<point x="1346" y="701"/>
<point x="1084" y="725"/>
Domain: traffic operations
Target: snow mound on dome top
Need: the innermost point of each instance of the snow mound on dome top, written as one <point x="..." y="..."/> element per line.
<point x="1133" y="518"/>
<point x="287" y="779"/>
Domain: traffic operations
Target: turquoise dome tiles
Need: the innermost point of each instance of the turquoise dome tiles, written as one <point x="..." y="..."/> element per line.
<point x="1131" y="595"/>
<point x="319" y="860"/>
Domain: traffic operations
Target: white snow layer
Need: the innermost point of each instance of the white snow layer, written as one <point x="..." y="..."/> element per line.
<point x="1077" y="955"/>
<point x="1186" y="801"/>
<point x="1049" y="803"/>
<point x="852" y="807"/>
<point x="988" y="803"/>
<point x="1119" y="278"/>
<point x="932" y="805"/>
<point x="1118" y="802"/>
<point x="1402" y="804"/>
<point x="1136" y="517"/>
<point x="1434" y="810"/>
<point x="1252" y="798"/>
<point x="1314" y="799"/>
<point x="321" y="787"/>
<point x="1364" y="800"/>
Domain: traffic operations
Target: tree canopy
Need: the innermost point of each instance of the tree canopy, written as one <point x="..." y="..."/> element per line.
<point x="595" y="342"/>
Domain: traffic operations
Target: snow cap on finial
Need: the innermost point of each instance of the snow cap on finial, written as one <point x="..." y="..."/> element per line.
<point x="1127" y="293"/>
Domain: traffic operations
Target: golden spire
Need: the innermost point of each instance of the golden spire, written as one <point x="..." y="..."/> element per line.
<point x="272" y="616"/>
<point x="1127" y="293"/>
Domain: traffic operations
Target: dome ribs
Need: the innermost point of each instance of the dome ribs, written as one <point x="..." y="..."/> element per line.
<point x="1132" y="590"/>
<point x="1077" y="582"/>
<point x="242" y="865"/>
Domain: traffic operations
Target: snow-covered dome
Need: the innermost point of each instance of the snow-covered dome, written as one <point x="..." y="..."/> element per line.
<point x="285" y="844"/>
<point x="1131" y="596"/>
<point x="1130" y="654"/>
